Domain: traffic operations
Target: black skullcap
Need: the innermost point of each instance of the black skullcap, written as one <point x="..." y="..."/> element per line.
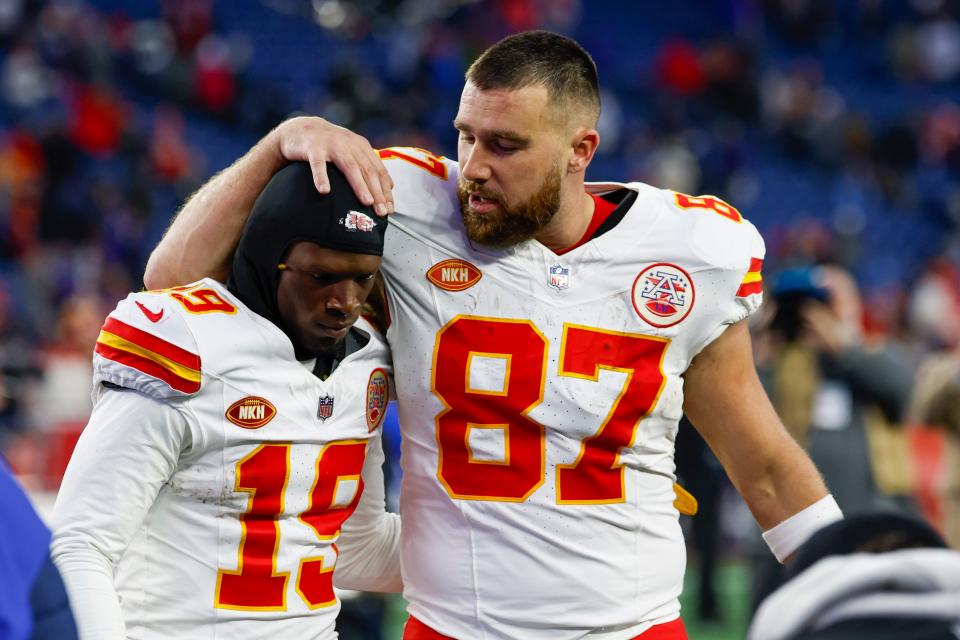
<point x="291" y="210"/>
<point x="871" y="532"/>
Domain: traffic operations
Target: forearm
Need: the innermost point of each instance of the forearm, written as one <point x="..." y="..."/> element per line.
<point x="202" y="238"/>
<point x="369" y="544"/>
<point x="727" y="404"/>
<point x="88" y="578"/>
<point x="780" y="484"/>
<point x="127" y="451"/>
<point x="370" y="560"/>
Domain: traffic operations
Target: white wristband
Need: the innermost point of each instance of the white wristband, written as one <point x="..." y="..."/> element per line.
<point x="786" y="537"/>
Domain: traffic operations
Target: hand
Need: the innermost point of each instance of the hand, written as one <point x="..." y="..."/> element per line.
<point x="318" y="141"/>
<point x="825" y="330"/>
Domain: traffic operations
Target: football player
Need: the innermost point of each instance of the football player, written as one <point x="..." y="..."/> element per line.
<point x="232" y="462"/>
<point x="547" y="334"/>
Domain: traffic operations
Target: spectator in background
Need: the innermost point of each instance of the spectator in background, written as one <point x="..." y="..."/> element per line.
<point x="840" y="398"/>
<point x="877" y="576"/>
<point x="64" y="394"/>
<point x="935" y="315"/>
<point x="937" y="403"/>
<point x="17" y="367"/>
<point x="34" y="605"/>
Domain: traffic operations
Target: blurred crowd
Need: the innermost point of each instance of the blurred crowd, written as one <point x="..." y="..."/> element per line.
<point x="834" y="126"/>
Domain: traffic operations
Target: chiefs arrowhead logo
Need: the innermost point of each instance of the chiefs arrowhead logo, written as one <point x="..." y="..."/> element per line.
<point x="251" y="412"/>
<point x="454" y="275"/>
<point x="378" y="394"/>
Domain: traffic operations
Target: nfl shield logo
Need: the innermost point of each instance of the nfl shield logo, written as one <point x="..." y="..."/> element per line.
<point x="559" y="277"/>
<point x="325" y="408"/>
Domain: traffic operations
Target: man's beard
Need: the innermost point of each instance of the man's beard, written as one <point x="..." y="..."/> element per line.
<point x="512" y="225"/>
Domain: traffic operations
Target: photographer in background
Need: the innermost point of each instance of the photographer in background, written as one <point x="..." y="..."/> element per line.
<point x="840" y="396"/>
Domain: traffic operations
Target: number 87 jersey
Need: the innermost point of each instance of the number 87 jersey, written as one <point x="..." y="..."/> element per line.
<point x="539" y="397"/>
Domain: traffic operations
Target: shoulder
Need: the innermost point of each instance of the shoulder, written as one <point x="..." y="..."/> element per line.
<point x="423" y="183"/>
<point x="417" y="166"/>
<point x="149" y="344"/>
<point x="377" y="347"/>
<point x="715" y="232"/>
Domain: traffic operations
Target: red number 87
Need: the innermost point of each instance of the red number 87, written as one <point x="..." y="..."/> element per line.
<point x="596" y="477"/>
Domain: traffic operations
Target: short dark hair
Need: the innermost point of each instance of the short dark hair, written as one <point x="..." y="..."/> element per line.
<point x="541" y="58"/>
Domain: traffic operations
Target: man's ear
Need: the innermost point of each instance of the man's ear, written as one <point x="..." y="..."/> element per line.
<point x="584" y="145"/>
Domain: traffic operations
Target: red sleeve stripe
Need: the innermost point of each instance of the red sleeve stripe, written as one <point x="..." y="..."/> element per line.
<point x="750" y="288"/>
<point x="150" y="342"/>
<point x="753" y="280"/>
<point x="149" y="367"/>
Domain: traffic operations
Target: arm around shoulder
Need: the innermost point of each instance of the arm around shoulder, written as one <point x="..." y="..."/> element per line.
<point x="202" y="237"/>
<point x="201" y="240"/>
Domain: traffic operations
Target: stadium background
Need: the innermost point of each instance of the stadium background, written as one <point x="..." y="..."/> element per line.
<point x="833" y="126"/>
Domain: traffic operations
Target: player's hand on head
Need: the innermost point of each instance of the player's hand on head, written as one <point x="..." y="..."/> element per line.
<point x="318" y="141"/>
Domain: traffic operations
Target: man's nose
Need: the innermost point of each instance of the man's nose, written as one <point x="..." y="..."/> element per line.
<point x="344" y="300"/>
<point x="476" y="166"/>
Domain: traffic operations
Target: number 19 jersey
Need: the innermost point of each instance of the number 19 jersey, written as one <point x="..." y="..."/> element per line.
<point x="539" y="397"/>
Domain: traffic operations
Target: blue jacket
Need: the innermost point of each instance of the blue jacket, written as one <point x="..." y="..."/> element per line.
<point x="34" y="603"/>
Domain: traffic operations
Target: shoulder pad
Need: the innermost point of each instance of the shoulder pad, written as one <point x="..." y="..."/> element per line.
<point x="146" y="345"/>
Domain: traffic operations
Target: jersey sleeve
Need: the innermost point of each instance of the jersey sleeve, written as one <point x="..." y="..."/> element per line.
<point x="416" y="166"/>
<point x="729" y="251"/>
<point x="369" y="544"/>
<point x="146" y="345"/>
<point x="129" y="448"/>
<point x="424" y="184"/>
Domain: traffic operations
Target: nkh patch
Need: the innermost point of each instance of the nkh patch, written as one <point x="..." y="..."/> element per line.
<point x="454" y="274"/>
<point x="558" y="277"/>
<point x="378" y="393"/>
<point x="251" y="412"/>
<point x="663" y="294"/>
<point x="358" y="221"/>
<point x="325" y="407"/>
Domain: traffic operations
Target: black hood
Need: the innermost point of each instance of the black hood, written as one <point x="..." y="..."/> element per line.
<point x="291" y="210"/>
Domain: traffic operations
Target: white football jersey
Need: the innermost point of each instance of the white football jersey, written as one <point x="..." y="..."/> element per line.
<point x="217" y="481"/>
<point x="539" y="396"/>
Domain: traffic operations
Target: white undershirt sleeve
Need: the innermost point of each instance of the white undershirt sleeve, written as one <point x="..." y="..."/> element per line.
<point x="129" y="448"/>
<point x="369" y="542"/>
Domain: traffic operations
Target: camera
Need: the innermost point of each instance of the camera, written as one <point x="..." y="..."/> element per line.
<point x="792" y="290"/>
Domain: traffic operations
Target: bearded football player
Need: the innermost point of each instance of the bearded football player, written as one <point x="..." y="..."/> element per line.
<point x="548" y="334"/>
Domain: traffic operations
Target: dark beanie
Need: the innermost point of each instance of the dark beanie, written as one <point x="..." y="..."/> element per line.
<point x="876" y="532"/>
<point x="291" y="210"/>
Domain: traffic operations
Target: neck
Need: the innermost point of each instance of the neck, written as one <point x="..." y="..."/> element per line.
<point x="570" y="222"/>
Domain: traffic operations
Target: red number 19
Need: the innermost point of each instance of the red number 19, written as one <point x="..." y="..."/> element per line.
<point x="255" y="584"/>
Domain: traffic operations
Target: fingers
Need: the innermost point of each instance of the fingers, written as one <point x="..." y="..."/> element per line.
<point x="320" y="179"/>
<point x="357" y="178"/>
<point x="369" y="179"/>
<point x="385" y="181"/>
<point x="318" y="141"/>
